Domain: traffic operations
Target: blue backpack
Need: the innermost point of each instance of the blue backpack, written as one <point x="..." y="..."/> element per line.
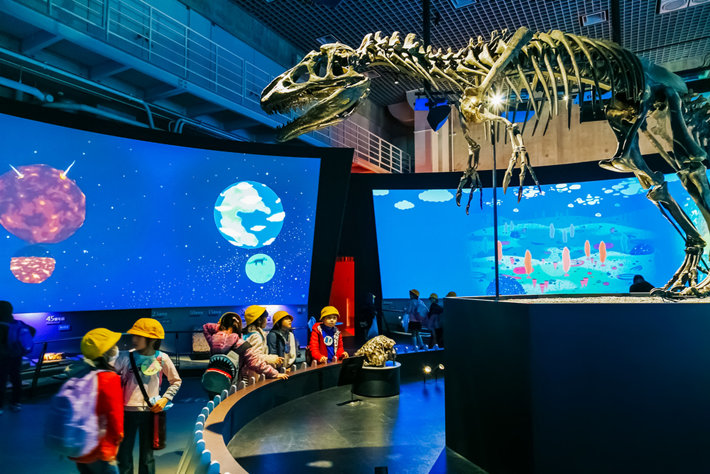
<point x="19" y="339"/>
<point x="72" y="426"/>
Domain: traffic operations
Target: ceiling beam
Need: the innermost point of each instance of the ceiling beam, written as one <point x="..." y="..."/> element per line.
<point x="163" y="91"/>
<point x="204" y="109"/>
<point x="241" y="123"/>
<point x="615" y="17"/>
<point x="36" y="42"/>
<point x="107" y="69"/>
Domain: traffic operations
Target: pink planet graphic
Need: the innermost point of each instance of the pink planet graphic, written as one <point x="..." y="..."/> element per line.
<point x="40" y="204"/>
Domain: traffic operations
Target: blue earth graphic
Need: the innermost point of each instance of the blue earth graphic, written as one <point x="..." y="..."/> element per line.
<point x="260" y="268"/>
<point x="249" y="214"/>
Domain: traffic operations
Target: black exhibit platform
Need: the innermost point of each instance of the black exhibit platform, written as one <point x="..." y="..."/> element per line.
<point x="596" y="386"/>
<point x="378" y="381"/>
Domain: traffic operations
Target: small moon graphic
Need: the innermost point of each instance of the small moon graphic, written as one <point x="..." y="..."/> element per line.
<point x="260" y="268"/>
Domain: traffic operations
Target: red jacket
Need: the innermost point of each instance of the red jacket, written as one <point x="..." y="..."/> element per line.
<point x="109" y="409"/>
<point x="317" y="343"/>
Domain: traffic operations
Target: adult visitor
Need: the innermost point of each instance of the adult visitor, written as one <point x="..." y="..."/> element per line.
<point x="15" y="343"/>
<point x="417" y="315"/>
<point x="364" y="319"/>
<point x="142" y="370"/>
<point x="640" y="285"/>
<point x="434" y="321"/>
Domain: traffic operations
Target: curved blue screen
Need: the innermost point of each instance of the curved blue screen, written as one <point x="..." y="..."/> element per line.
<point x="92" y="221"/>
<point x="426" y="242"/>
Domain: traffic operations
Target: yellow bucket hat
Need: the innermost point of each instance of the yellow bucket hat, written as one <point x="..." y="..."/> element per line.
<point x="97" y="342"/>
<point x="253" y="312"/>
<point x="279" y="315"/>
<point x="329" y="311"/>
<point x="148" y="327"/>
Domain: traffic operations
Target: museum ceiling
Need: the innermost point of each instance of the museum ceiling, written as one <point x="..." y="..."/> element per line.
<point x="661" y="38"/>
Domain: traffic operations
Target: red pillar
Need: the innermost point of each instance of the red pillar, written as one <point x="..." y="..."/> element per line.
<point x="342" y="293"/>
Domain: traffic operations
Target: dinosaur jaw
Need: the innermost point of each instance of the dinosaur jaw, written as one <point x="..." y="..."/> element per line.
<point x="321" y="109"/>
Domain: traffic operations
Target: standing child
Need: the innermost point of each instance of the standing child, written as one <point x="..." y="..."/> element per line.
<point x="255" y="335"/>
<point x="281" y="340"/>
<point x="99" y="349"/>
<point x="326" y="344"/>
<point x="151" y="364"/>
<point x="226" y="336"/>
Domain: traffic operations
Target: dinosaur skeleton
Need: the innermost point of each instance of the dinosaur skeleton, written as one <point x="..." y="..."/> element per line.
<point x="486" y="80"/>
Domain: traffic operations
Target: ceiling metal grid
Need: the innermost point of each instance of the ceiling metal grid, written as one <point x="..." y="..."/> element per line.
<point x="661" y="38"/>
<point x="668" y="37"/>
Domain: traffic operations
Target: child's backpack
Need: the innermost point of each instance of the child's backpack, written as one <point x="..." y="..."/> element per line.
<point x="72" y="426"/>
<point x="221" y="373"/>
<point x="19" y="339"/>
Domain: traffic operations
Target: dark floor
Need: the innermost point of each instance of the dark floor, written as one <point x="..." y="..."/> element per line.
<point x="314" y="434"/>
<point x="22" y="449"/>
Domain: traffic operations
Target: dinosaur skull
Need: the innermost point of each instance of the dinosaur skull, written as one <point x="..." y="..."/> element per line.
<point x="325" y="84"/>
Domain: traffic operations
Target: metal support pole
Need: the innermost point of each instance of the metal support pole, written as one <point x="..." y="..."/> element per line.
<point x="426" y="19"/>
<point x="495" y="214"/>
<point x="38" y="369"/>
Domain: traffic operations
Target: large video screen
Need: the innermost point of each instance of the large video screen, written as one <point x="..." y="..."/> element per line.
<point x="589" y="237"/>
<point x="92" y="221"/>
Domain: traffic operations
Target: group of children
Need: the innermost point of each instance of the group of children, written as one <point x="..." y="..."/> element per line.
<point x="125" y="386"/>
<point x="126" y="397"/>
<point x="419" y="316"/>
<point x="263" y="353"/>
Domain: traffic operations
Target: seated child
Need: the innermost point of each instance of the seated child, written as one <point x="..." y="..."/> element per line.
<point x="326" y="344"/>
<point x="281" y="340"/>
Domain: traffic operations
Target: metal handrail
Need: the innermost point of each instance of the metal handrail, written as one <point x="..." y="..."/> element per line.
<point x="138" y="28"/>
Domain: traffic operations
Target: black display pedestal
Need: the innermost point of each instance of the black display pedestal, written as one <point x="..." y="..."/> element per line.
<point x="551" y="388"/>
<point x="378" y="381"/>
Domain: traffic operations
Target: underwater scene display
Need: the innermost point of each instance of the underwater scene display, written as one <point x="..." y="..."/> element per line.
<point x="588" y="237"/>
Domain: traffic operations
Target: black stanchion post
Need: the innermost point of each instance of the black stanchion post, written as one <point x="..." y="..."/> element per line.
<point x="495" y="215"/>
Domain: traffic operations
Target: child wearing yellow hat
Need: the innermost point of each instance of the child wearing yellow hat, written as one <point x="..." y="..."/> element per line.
<point x="281" y="340"/>
<point x="98" y="347"/>
<point x="326" y="344"/>
<point x="151" y="364"/>
<point x="256" y="317"/>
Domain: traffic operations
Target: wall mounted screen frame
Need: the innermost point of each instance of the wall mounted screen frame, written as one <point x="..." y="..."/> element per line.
<point x="331" y="165"/>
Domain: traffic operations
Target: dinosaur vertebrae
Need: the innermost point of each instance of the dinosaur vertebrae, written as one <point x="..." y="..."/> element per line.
<point x="547" y="63"/>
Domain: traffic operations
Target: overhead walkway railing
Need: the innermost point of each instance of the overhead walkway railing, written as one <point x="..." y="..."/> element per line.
<point x="150" y="35"/>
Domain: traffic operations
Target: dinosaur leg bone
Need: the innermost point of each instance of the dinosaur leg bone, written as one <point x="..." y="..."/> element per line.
<point x="519" y="156"/>
<point x="470" y="177"/>
<point x="687" y="273"/>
